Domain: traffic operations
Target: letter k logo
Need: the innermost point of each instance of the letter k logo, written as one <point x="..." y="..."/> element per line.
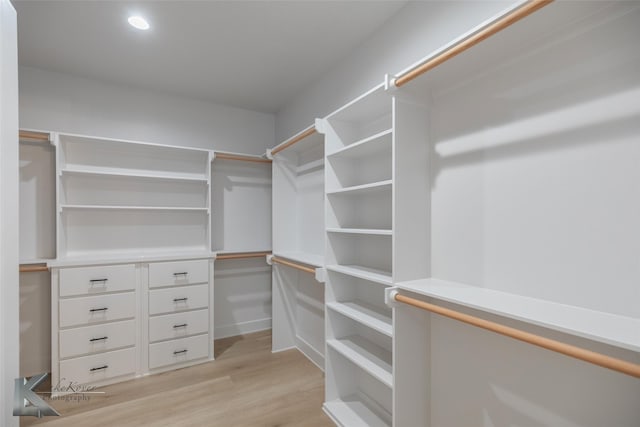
<point x="24" y="393"/>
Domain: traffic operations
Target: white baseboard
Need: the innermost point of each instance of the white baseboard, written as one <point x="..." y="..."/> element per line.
<point x="310" y="352"/>
<point x="242" y="328"/>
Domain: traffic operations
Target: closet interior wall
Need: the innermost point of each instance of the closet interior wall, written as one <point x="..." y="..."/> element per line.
<point x="241" y="224"/>
<point x="534" y="223"/>
<point x="298" y="238"/>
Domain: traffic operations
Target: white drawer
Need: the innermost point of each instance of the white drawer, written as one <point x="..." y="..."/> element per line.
<point x="178" y="273"/>
<point x="103" y="308"/>
<point x="92" y="280"/>
<point x="178" y="299"/>
<point x="178" y="351"/>
<point x="96" y="339"/>
<point x="98" y="367"/>
<point x="178" y="325"/>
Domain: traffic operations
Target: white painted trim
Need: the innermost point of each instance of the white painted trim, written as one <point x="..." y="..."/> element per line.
<point x="241" y="328"/>
<point x="9" y="278"/>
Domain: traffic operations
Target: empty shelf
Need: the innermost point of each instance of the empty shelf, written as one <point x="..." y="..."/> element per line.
<point x="369" y="231"/>
<point x="365" y="188"/>
<point x="124" y="207"/>
<point x="372" y="358"/>
<point x="366" y="314"/>
<point x="616" y="330"/>
<point x="353" y="412"/>
<point x="132" y="174"/>
<point x="365" y="147"/>
<point x="378" y="276"/>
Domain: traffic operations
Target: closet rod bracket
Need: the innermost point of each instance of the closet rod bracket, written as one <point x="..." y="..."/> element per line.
<point x="390" y="297"/>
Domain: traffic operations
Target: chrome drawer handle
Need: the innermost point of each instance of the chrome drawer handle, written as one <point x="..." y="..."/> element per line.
<point x="180" y="299"/>
<point x="179" y="352"/>
<point x="183" y="273"/>
<point x="93" y="310"/>
<point x="183" y="325"/>
<point x="99" y="368"/>
<point x="94" y="281"/>
<point x="98" y="339"/>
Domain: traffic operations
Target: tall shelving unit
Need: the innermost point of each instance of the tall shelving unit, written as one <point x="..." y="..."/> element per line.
<point x="298" y="238"/>
<point x="531" y="180"/>
<point x="371" y="203"/>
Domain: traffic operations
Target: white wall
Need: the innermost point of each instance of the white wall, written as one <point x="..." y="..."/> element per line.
<point x="416" y="30"/>
<point x="61" y="102"/>
<point x="8" y="212"/>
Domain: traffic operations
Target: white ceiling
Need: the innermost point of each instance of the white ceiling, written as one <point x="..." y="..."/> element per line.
<point x="248" y="54"/>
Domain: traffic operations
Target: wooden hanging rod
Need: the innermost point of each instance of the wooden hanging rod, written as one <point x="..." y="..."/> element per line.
<point x="294" y="265"/>
<point x="32" y="268"/>
<point x="298" y="138"/>
<point x="494" y="27"/>
<point x="226" y="156"/>
<point x="553" y="345"/>
<point x="28" y="135"/>
<point x="240" y="255"/>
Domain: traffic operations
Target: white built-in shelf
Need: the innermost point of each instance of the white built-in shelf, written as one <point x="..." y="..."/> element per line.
<point x="372" y="358"/>
<point x="129" y="256"/>
<point x="351" y="411"/>
<point x="368" y="106"/>
<point x="365" y="147"/>
<point x="303" y="257"/>
<point x="364" y="313"/>
<point x="616" y="330"/>
<point x="104" y="172"/>
<point x="364" y="188"/>
<point x="367" y="273"/>
<point x="136" y="208"/>
<point x="368" y="231"/>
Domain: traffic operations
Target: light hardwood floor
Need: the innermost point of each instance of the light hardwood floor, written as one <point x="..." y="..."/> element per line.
<point x="246" y="385"/>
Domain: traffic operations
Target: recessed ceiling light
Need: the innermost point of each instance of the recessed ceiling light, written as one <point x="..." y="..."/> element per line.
<point x="138" y="22"/>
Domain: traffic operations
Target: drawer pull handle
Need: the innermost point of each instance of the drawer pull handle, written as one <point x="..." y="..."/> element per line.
<point x="183" y="274"/>
<point x="180" y="352"/>
<point x="98" y="339"/>
<point x="99" y="368"/>
<point x="93" y="310"/>
<point x="180" y="299"/>
<point x="183" y="325"/>
<point x="94" y="281"/>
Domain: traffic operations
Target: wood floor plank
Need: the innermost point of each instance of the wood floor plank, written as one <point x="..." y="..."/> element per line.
<point x="245" y="386"/>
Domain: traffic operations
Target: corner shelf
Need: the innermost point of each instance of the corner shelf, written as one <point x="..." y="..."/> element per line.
<point x="366" y="314"/>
